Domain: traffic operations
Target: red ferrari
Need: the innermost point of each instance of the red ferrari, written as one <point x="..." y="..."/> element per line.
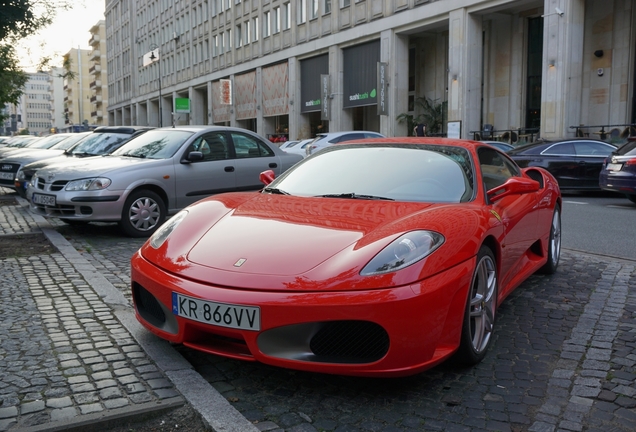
<point x="382" y="257"/>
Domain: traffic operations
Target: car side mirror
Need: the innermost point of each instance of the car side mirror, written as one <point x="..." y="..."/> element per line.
<point x="266" y="177"/>
<point x="193" y="156"/>
<point x="513" y="186"/>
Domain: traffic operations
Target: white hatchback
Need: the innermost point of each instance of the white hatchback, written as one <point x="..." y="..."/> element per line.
<point x="326" y="139"/>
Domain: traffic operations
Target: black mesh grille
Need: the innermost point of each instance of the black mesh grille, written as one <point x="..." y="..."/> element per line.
<point x="350" y="341"/>
<point x="148" y="306"/>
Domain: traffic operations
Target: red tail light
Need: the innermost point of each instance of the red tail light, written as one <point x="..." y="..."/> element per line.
<point x="630" y="162"/>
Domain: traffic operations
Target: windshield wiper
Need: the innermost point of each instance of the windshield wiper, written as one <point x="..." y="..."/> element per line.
<point x="140" y="156"/>
<point x="353" y="195"/>
<point x="275" y="191"/>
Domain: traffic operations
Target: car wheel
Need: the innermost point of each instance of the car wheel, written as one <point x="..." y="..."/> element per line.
<point x="632" y="198"/>
<point x="479" y="316"/>
<point x="144" y="211"/>
<point x="554" y="243"/>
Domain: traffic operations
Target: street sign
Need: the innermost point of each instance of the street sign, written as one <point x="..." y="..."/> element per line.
<point x="182" y="105"/>
<point x="150" y="57"/>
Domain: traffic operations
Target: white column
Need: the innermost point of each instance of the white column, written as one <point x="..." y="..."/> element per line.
<point x="394" y="50"/>
<point x="465" y="70"/>
<point x="561" y="87"/>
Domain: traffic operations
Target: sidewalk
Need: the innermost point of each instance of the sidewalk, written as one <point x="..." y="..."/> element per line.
<point x="71" y="351"/>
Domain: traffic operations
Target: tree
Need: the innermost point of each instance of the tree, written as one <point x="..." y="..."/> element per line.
<point x="19" y="19"/>
<point x="431" y="114"/>
<point x="12" y="79"/>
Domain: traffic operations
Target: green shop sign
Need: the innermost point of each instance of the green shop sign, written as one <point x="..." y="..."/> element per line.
<point x="182" y="105"/>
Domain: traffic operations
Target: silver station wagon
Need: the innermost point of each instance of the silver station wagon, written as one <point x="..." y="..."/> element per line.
<point x="154" y="175"/>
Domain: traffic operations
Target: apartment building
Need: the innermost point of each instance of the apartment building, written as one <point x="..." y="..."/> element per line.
<point x="77" y="91"/>
<point x="298" y="67"/>
<point x="36" y="104"/>
<point x="98" y="77"/>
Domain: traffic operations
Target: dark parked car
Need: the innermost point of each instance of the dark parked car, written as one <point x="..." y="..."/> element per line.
<point x="101" y="141"/>
<point x="575" y="163"/>
<point x="10" y="164"/>
<point x="619" y="171"/>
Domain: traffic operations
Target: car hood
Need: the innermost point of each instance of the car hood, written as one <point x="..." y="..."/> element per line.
<point x="265" y="241"/>
<point x="28" y="156"/>
<point x="91" y="167"/>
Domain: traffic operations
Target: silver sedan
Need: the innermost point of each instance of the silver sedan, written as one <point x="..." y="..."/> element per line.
<point x="154" y="175"/>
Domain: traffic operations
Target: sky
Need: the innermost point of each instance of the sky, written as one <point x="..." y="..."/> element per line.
<point x="70" y="29"/>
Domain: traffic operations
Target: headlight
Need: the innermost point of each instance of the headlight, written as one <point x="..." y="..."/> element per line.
<point x="88" y="184"/>
<point x="166" y="229"/>
<point x="20" y="175"/>
<point x="404" y="251"/>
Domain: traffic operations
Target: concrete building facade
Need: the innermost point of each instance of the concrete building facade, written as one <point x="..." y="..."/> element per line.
<point x="36" y="104"/>
<point x="298" y="67"/>
<point x="98" y="77"/>
<point x="77" y="92"/>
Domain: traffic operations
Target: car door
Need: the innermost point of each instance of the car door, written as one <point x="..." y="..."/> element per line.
<point x="252" y="157"/>
<point x="518" y="213"/>
<point x="590" y="156"/>
<point x="214" y="173"/>
<point x="560" y="159"/>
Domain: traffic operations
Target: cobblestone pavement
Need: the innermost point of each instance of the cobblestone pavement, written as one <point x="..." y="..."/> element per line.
<point x="563" y="359"/>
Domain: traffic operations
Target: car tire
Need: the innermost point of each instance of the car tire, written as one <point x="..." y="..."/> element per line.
<point x="554" y="243"/>
<point x="632" y="198"/>
<point x="144" y="211"/>
<point x="479" y="315"/>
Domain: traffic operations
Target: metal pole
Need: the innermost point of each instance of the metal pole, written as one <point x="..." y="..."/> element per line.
<point x="160" y="108"/>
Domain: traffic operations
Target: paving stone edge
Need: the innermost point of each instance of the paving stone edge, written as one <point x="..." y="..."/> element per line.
<point x="215" y="411"/>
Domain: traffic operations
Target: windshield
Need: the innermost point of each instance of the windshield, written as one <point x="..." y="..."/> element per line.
<point x="627" y="149"/>
<point x="422" y="173"/>
<point x="70" y="141"/>
<point x="154" y="144"/>
<point x="99" y="143"/>
<point x="47" y="142"/>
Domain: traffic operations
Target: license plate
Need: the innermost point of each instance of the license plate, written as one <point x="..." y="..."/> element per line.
<point x="47" y="200"/>
<point x="220" y="314"/>
<point x="6" y="176"/>
<point x="614" y="167"/>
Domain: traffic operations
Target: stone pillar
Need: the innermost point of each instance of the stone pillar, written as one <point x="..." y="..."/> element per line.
<point x="465" y="70"/>
<point x="561" y="87"/>
<point x="394" y="50"/>
<point x="341" y="119"/>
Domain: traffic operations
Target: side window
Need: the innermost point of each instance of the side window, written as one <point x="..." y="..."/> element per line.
<point x="247" y="146"/>
<point x="351" y="137"/>
<point x="587" y="148"/>
<point x="212" y="145"/>
<point x="495" y="168"/>
<point x="560" y="149"/>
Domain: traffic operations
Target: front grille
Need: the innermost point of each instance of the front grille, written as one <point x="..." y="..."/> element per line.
<point x="350" y="342"/>
<point x="55" y="211"/>
<point x="56" y="186"/>
<point x="11" y="169"/>
<point x="148" y="306"/>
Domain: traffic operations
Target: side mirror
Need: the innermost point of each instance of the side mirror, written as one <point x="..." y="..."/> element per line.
<point x="513" y="186"/>
<point x="267" y="177"/>
<point x="193" y="156"/>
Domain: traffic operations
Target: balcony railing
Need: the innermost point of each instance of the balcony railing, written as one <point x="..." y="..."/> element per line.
<point x="95" y="54"/>
<point x="96" y="98"/>
<point x="608" y="132"/>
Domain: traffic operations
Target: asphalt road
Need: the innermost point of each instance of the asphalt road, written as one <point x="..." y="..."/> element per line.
<point x="599" y="224"/>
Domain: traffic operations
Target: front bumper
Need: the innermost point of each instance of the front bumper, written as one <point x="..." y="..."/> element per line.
<point x="384" y="332"/>
<point x="101" y="206"/>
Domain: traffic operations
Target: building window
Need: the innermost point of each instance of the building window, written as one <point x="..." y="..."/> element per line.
<point x="228" y="38"/>
<point x="286" y="16"/>
<point x="255" y="29"/>
<point x="276" y="20"/>
<point x="266" y="23"/>
<point x="327" y="6"/>
<point x="247" y="34"/>
<point x="346" y="3"/>
<point x="314" y="9"/>
<point x="302" y="11"/>
<point x="239" y="36"/>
